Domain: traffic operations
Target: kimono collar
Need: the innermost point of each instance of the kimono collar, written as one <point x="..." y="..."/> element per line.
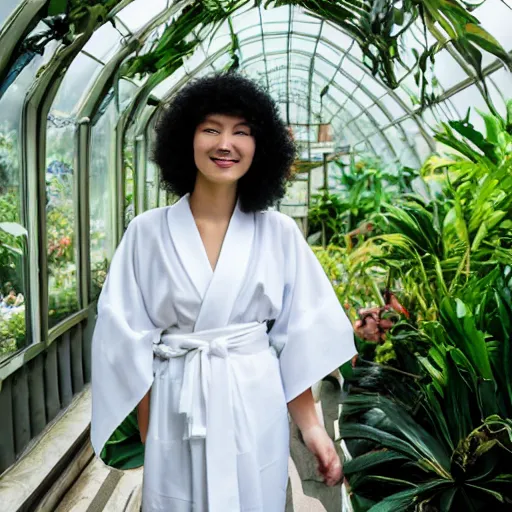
<point x="218" y="289"/>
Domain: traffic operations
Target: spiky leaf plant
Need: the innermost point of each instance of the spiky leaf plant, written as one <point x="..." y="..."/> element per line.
<point x="433" y="431"/>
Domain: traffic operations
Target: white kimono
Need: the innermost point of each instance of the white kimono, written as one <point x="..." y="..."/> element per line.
<point x="218" y="431"/>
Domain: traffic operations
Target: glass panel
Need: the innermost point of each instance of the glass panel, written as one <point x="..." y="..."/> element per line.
<point x="306" y="27"/>
<point x="251" y="49"/>
<point x="13" y="246"/>
<point x="380" y="118"/>
<point x="222" y="62"/>
<point x="374" y="86"/>
<point x="104" y="42"/>
<point x="163" y="88"/>
<point x="361" y="96"/>
<point x="295" y="203"/>
<point x="333" y="33"/>
<point x="447" y="70"/>
<point x="328" y="53"/>
<point x="303" y="44"/>
<point x="138" y="13"/>
<point x="277" y="44"/>
<point x="245" y="17"/>
<point x="7" y="7"/>
<point x="275" y="14"/>
<point x="101" y="197"/>
<point x="61" y="217"/>
<point x="495" y="18"/>
<point x="61" y="198"/>
<point x="162" y="197"/>
<point x="324" y="67"/>
<point x="381" y="147"/>
<point x="248" y="31"/>
<point x="195" y="60"/>
<point x="127" y="91"/>
<point x="503" y="80"/>
<point x="129" y="177"/>
<point x="81" y="73"/>
<point x="429" y="120"/>
<point x="471" y="97"/>
<point x="353" y="70"/>
<point x="151" y="185"/>
<point x="392" y="106"/>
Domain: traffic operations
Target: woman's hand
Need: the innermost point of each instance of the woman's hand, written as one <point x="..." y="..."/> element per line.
<point x="321" y="446"/>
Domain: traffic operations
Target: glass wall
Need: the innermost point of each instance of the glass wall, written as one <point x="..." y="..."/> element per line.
<point x="7" y="8"/>
<point x="152" y="179"/>
<point x="101" y="197"/>
<point x="13" y="240"/>
<point x="13" y="235"/>
<point x="61" y="193"/>
<point x="129" y="176"/>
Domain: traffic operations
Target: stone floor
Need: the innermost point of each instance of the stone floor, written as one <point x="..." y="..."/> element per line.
<point x="87" y="485"/>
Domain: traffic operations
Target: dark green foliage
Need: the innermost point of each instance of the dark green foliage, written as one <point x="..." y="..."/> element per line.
<point x="434" y="431"/>
<point x="376" y="25"/>
<point x="124" y="449"/>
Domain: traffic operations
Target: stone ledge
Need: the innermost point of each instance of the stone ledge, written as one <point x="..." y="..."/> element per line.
<point x="27" y="482"/>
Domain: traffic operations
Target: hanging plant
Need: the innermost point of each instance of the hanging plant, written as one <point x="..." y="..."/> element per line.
<point x="65" y="20"/>
<point x="378" y="27"/>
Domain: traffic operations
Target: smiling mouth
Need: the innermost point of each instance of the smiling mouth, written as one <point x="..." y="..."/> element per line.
<point x="225" y="160"/>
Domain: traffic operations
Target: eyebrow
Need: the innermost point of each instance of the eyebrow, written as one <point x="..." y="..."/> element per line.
<point x="210" y="120"/>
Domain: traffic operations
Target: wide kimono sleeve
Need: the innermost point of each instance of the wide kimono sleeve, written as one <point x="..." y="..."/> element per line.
<point x="312" y="333"/>
<point x="122" y="345"/>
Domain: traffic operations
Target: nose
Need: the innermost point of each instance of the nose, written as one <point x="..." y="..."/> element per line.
<point x="225" y="143"/>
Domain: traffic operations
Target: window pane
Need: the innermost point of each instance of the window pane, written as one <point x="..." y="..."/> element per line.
<point x="151" y="185"/>
<point x="503" y="81"/>
<point x="101" y="197"/>
<point x="162" y="200"/>
<point x="61" y="218"/>
<point x="61" y="198"/>
<point x="104" y="42"/>
<point x="80" y="74"/>
<point x="495" y="18"/>
<point x="13" y="245"/>
<point x="129" y="183"/>
<point x="7" y="8"/>
<point x="138" y="13"/>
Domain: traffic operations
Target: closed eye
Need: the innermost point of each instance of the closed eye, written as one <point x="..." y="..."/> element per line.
<point x="210" y="130"/>
<point x="242" y="133"/>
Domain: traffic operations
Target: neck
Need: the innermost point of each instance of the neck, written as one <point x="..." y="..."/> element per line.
<point x="211" y="201"/>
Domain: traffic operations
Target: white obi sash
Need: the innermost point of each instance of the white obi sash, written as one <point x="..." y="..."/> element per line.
<point x="209" y="397"/>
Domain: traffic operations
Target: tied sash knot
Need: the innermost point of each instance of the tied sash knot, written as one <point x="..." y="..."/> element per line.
<point x="210" y="398"/>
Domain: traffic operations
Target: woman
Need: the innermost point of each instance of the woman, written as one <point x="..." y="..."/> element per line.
<point x="216" y="318"/>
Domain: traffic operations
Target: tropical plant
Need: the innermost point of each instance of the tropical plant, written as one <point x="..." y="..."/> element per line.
<point x="442" y="438"/>
<point x="348" y="211"/>
<point x="433" y="431"/>
<point x="63" y="301"/>
<point x="12" y="332"/>
<point x="378" y="27"/>
<point x="12" y="243"/>
<point x="9" y="169"/>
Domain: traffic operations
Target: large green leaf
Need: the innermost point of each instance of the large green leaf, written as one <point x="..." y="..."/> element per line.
<point x="422" y="445"/>
<point x="13" y="228"/>
<point x="371" y="460"/>
<point x="405" y="500"/>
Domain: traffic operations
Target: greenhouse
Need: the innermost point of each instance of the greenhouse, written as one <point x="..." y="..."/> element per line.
<point x="401" y="185"/>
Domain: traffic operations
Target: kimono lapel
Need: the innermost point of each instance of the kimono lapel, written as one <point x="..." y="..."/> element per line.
<point x="189" y="246"/>
<point x="229" y="274"/>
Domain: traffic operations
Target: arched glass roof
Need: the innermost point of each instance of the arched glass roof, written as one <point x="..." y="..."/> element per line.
<point x="312" y="66"/>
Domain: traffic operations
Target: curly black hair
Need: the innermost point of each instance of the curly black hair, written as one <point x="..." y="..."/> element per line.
<point x="228" y="94"/>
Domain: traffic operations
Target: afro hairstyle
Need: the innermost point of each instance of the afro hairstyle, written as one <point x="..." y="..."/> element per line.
<point x="228" y="94"/>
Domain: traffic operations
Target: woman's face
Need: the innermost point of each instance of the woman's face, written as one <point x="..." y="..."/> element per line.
<point x="223" y="148"/>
